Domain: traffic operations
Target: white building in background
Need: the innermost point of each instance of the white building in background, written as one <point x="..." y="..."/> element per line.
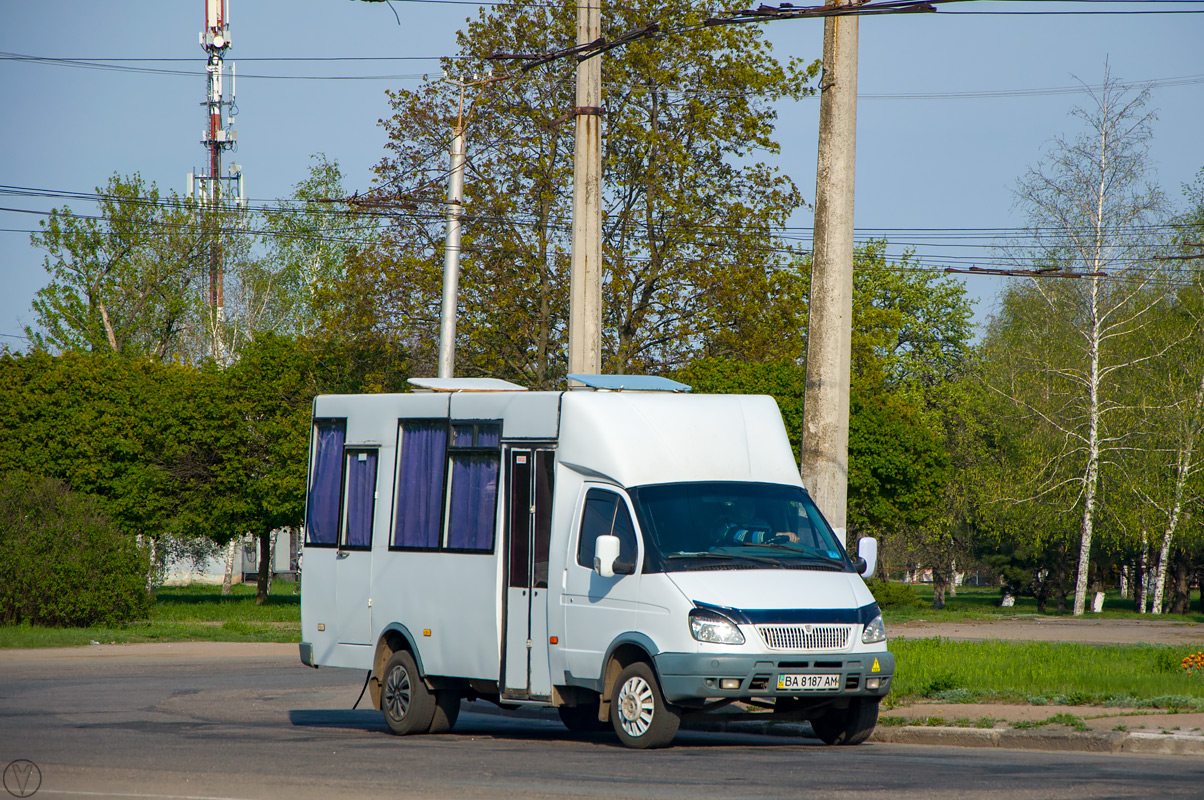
<point x="204" y="562"/>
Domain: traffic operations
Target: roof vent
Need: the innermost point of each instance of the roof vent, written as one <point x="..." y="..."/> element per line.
<point x="627" y="383"/>
<point x="464" y="385"/>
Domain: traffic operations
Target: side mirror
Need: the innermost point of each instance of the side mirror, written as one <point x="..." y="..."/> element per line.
<point x="606" y="552"/>
<point x="867" y="550"/>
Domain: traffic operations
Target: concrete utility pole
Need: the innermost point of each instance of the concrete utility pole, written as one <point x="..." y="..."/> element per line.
<point x="451" y="249"/>
<point x="825" y="440"/>
<point x="585" y="281"/>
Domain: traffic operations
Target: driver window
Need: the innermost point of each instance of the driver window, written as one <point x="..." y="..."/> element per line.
<point x="605" y="514"/>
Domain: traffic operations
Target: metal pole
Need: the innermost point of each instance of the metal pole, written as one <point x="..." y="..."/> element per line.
<point x="825" y="437"/>
<point x="585" y="280"/>
<point x="451" y="255"/>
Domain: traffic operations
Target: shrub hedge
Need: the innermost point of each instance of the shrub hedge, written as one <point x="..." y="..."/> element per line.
<point x="894" y="595"/>
<point x="63" y="562"/>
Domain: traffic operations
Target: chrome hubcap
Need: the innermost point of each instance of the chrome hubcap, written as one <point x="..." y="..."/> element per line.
<point x="636" y="705"/>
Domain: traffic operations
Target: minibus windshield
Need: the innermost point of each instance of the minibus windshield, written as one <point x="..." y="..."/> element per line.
<point x="734" y="525"/>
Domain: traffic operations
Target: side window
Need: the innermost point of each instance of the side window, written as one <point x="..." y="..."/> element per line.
<point x="421" y="464"/>
<point x="360" y="499"/>
<point x="474" y="460"/>
<point x="325" y="483"/>
<point x="605" y="514"/>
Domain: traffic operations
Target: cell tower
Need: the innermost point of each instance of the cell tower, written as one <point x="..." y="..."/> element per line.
<point x="219" y="135"/>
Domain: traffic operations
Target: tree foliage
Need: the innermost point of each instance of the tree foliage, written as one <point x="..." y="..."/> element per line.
<point x="691" y="265"/>
<point x="66" y="563"/>
<point x="1060" y="350"/>
<point x="120" y="281"/>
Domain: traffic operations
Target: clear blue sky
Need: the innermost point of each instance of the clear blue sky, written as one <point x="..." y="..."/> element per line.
<point x="949" y="115"/>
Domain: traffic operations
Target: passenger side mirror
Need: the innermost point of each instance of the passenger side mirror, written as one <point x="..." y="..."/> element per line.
<point x="606" y="553"/>
<point x="867" y="552"/>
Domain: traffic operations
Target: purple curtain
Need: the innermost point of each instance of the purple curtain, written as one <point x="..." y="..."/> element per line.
<point x="476" y="434"/>
<point x="473" y="501"/>
<point x="489" y="435"/>
<point x="420" y="484"/>
<point x="361" y="490"/>
<point x="322" y="527"/>
<point x="462" y="435"/>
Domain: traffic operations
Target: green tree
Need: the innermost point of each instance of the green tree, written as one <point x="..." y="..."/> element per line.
<point x="121" y="280"/>
<point x="245" y="468"/>
<point x="105" y="425"/>
<point x="66" y="563"/>
<point x="1059" y="348"/>
<point x="689" y="250"/>
<point x="311" y="236"/>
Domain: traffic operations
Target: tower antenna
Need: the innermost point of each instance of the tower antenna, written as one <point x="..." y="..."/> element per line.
<point x="219" y="135"/>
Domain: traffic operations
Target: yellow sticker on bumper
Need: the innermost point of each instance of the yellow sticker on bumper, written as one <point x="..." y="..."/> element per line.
<point x="877" y="667"/>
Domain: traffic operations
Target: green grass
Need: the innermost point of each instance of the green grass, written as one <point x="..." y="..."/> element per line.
<point x="982" y="602"/>
<point x="1045" y="673"/>
<point x="195" y="613"/>
<point x="198" y="602"/>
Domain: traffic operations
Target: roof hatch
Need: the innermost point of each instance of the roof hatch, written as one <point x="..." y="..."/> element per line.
<point x="627" y="383"/>
<point x="464" y="385"/>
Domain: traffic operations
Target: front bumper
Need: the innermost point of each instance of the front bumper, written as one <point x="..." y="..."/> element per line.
<point x="700" y="676"/>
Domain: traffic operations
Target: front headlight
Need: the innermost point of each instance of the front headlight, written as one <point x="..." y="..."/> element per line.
<point x="707" y="626"/>
<point x="875" y="631"/>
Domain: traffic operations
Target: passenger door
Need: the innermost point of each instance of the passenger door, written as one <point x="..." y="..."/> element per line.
<point x="597" y="609"/>
<point x="353" y="561"/>
<point x="528" y="530"/>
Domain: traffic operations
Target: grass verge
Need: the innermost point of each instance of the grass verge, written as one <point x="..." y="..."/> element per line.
<point x="982" y="602"/>
<point x="1045" y="673"/>
<point x="195" y="613"/>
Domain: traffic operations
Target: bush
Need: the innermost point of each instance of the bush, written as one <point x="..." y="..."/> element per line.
<point x="894" y="595"/>
<point x="65" y="563"/>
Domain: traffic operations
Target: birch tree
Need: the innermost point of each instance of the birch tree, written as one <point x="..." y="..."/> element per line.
<point x="1177" y="456"/>
<point x="1062" y="342"/>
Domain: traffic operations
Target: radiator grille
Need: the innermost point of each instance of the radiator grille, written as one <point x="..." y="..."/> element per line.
<point x="806" y="637"/>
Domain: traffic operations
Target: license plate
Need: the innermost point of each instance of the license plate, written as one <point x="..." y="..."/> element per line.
<point x="808" y="683"/>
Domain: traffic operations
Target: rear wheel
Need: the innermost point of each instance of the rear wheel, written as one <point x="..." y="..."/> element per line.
<point x="638" y="710"/>
<point x="581" y="718"/>
<point x="408" y="705"/>
<point x="852" y="725"/>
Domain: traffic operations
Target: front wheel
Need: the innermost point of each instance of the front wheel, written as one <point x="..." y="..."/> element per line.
<point x="852" y="725"/>
<point x="408" y="705"/>
<point x="638" y="710"/>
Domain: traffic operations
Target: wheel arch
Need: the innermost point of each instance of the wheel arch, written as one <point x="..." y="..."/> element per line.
<point x="624" y="651"/>
<point x="394" y="637"/>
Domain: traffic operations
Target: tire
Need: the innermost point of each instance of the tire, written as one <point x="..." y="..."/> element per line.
<point x="582" y="718"/>
<point x="407" y="704"/>
<point x="852" y="725"/>
<point x="638" y="710"/>
<point x="447" y="711"/>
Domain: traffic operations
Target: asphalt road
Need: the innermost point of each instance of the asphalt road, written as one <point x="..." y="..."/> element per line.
<point x="192" y="722"/>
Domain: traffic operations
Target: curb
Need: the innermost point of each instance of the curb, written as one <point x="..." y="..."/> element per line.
<point x="1140" y="742"/>
<point x="1171" y="744"/>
